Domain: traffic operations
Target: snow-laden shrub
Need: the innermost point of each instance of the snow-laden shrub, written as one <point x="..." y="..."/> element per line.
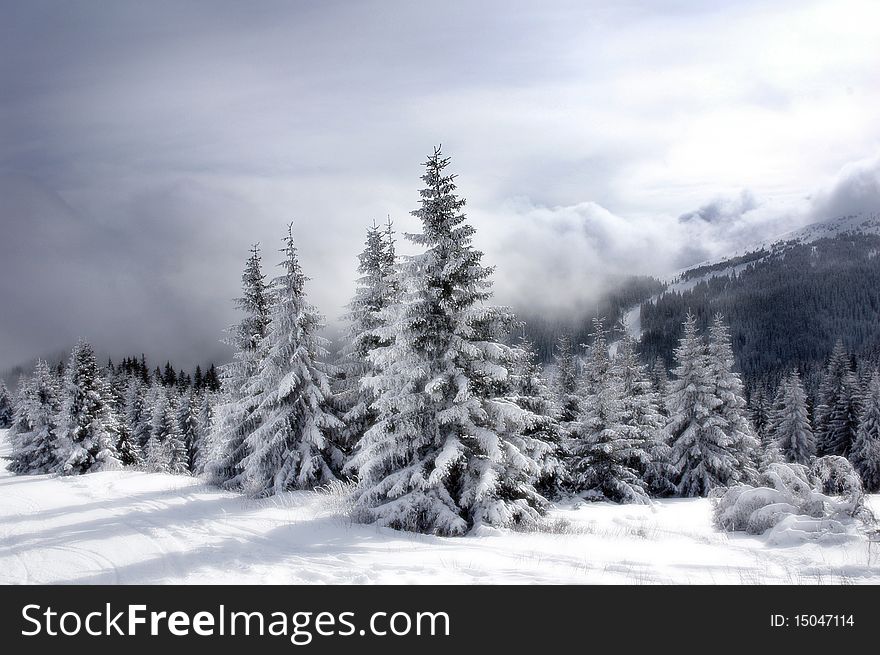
<point x="815" y="500"/>
<point x="837" y="477"/>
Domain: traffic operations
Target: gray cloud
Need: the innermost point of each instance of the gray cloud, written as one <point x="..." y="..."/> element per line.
<point x="144" y="146"/>
<point x="854" y="190"/>
<point x="722" y="209"/>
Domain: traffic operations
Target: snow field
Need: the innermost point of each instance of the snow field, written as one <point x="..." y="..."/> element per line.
<point x="123" y="527"/>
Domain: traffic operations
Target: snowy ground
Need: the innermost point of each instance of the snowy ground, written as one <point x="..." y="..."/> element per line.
<point x="126" y="527"/>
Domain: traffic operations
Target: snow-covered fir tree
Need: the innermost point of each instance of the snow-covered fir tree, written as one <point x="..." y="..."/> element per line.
<point x="837" y="406"/>
<point x="770" y="452"/>
<point x="565" y="382"/>
<point x="128" y="446"/>
<point x="166" y="451"/>
<point x="762" y="416"/>
<point x="659" y="377"/>
<point x="704" y="452"/>
<point x="235" y="418"/>
<point x="20" y="425"/>
<point x="536" y="430"/>
<point x="7" y="408"/>
<point x="760" y="408"/>
<point x="865" y="452"/>
<point x="127" y="449"/>
<point x="137" y="414"/>
<point x="733" y="408"/>
<point x="36" y="450"/>
<point x="291" y="447"/>
<point x="205" y="430"/>
<point x="188" y="407"/>
<point x="87" y="440"/>
<point x="436" y="460"/>
<point x="790" y="424"/>
<point x="606" y="455"/>
<point x="641" y="418"/>
<point x="376" y="290"/>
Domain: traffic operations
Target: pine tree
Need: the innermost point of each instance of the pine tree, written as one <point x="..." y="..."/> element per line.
<point x="837" y="410"/>
<point x="6" y="407"/>
<point x="292" y="447"/>
<point x="566" y="380"/>
<point x="605" y="452"/>
<point x="543" y="436"/>
<point x="127" y="450"/>
<point x="212" y="381"/>
<point x="376" y="291"/>
<point x="166" y="451"/>
<point x="659" y="377"/>
<point x="865" y="453"/>
<point x="791" y="431"/>
<point x="641" y="419"/>
<point x="235" y="418"/>
<point x="20" y="423"/>
<point x="87" y="425"/>
<point x="169" y="377"/>
<point x="188" y="425"/>
<point x="137" y="415"/>
<point x="435" y="461"/>
<point x="764" y="418"/>
<point x="704" y="453"/>
<point x="144" y="370"/>
<point x="36" y="450"/>
<point x="733" y="408"/>
<point x="760" y="410"/>
<point x="202" y="444"/>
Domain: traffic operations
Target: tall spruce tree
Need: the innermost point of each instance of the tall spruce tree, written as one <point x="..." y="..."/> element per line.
<point x="188" y="424"/>
<point x="771" y="453"/>
<point x="606" y="455"/>
<point x="837" y="409"/>
<point x="790" y="427"/>
<point x="733" y="408"/>
<point x="704" y="453"/>
<point x="137" y="414"/>
<point x="542" y="435"/>
<point x="865" y="452"/>
<point x="205" y="430"/>
<point x="36" y="450"/>
<point x="7" y="408"/>
<point x="436" y="460"/>
<point x="166" y="451"/>
<point x="235" y="418"/>
<point x="641" y="419"/>
<point x="291" y="447"/>
<point x="565" y="382"/>
<point x="759" y="410"/>
<point x="376" y="291"/>
<point x="87" y="426"/>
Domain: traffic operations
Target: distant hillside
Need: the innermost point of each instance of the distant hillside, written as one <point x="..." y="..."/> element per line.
<point x="787" y="301"/>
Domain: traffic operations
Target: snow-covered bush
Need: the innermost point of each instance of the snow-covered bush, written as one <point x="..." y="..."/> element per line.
<point x="815" y="500"/>
<point x="837" y="477"/>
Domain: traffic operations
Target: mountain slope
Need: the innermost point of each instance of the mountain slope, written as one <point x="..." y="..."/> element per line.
<point x="787" y="300"/>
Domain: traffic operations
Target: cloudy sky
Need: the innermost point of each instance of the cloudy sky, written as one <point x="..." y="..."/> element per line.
<point x="145" y="145"/>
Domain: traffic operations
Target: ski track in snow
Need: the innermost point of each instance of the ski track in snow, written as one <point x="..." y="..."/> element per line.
<point x="128" y="528"/>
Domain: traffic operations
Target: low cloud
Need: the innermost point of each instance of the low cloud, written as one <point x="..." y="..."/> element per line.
<point x="561" y="260"/>
<point x="854" y="190"/>
<point x="723" y="210"/>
